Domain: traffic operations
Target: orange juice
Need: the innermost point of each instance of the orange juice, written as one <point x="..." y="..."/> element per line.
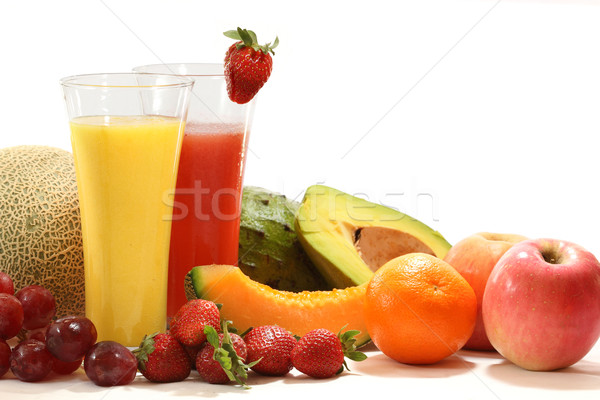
<point x="126" y="171"/>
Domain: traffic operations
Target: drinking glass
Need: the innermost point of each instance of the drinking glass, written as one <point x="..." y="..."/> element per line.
<point x="206" y="215"/>
<point x="126" y="133"/>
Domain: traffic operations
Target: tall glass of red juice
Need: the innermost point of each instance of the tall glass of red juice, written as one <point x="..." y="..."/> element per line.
<point x="206" y="213"/>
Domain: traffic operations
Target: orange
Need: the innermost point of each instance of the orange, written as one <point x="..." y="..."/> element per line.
<point x="418" y="309"/>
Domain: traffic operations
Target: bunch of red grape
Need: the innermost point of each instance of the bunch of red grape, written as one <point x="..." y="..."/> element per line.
<point x="58" y="346"/>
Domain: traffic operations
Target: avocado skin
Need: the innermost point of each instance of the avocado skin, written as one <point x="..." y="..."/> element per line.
<point x="269" y="249"/>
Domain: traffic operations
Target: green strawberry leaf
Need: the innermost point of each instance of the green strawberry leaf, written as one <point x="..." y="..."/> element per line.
<point x="357" y="356"/>
<point x="234" y="367"/>
<point x="349" y="335"/>
<point x="252" y="36"/>
<point x="246" y="37"/>
<point x="211" y="336"/>
<point x="349" y="346"/>
<point x="275" y="44"/>
<point x="253" y="363"/>
<point x="222" y="355"/>
<point x="232" y="35"/>
<point x="145" y="348"/>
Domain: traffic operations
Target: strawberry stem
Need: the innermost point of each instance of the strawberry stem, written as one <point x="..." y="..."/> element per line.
<point x="247" y="38"/>
<point x="226" y="356"/>
<point x="349" y="347"/>
<point x="146" y="348"/>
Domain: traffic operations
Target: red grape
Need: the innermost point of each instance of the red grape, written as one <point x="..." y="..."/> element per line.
<point x="4" y="357"/>
<point x="65" y="368"/>
<point x="109" y="363"/>
<point x="38" y="334"/>
<point x="11" y="316"/>
<point x="30" y="361"/>
<point x="69" y="338"/>
<point x="39" y="306"/>
<point x="6" y="284"/>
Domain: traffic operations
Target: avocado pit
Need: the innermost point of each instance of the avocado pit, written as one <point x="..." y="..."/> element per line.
<point x="377" y="245"/>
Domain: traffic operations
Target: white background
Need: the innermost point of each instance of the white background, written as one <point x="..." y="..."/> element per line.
<point x="469" y="115"/>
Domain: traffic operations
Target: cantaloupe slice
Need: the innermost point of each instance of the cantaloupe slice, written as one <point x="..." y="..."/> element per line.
<point x="247" y="303"/>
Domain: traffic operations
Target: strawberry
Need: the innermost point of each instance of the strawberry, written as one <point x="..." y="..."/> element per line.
<point x="320" y="353"/>
<point x="189" y="321"/>
<point x="248" y="65"/>
<point x="271" y="346"/>
<point x="222" y="358"/>
<point x="161" y="358"/>
<point x="192" y="352"/>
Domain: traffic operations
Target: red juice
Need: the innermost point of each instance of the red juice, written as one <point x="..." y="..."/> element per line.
<point x="207" y="203"/>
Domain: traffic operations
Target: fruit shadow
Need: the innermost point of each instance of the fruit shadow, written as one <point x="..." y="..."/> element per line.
<point x="489" y="355"/>
<point x="11" y="385"/>
<point x="192" y="386"/>
<point x="585" y="375"/>
<point x="369" y="347"/>
<point x="382" y="365"/>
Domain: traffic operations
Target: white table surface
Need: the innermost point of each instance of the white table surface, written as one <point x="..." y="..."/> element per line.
<point x="464" y="375"/>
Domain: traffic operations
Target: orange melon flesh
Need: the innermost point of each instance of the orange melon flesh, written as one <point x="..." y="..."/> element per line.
<point x="247" y="303"/>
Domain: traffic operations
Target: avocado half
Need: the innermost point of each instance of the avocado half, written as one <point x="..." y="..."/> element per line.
<point x="349" y="238"/>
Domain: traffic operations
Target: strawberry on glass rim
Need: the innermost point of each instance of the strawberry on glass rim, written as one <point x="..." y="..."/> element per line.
<point x="248" y="65"/>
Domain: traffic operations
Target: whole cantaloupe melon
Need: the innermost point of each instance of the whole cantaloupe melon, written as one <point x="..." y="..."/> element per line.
<point x="40" y="226"/>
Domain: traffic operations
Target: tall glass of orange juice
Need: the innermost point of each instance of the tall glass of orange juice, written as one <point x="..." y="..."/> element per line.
<point x="126" y="134"/>
<point x="206" y="213"/>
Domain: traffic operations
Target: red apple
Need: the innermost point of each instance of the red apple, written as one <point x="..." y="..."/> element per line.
<point x="474" y="258"/>
<point x="541" y="307"/>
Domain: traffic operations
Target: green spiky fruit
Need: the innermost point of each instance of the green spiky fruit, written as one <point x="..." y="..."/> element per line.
<point x="270" y="252"/>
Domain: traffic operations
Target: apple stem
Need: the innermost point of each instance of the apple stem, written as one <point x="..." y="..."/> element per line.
<point x="551" y="256"/>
